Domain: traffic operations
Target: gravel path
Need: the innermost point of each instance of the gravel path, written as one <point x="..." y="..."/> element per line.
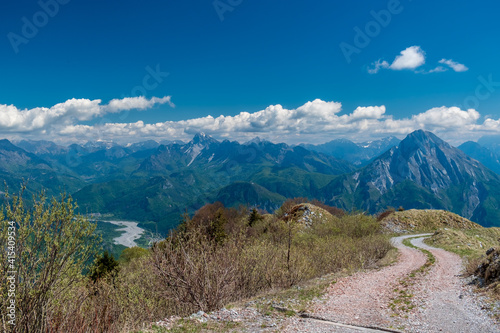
<point x="443" y="303"/>
<point x="446" y="303"/>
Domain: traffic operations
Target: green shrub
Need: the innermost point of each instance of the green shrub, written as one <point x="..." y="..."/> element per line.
<point x="131" y="253"/>
<point x="213" y="258"/>
<point x="52" y="247"/>
<point x="104" y="267"/>
<point x="202" y="274"/>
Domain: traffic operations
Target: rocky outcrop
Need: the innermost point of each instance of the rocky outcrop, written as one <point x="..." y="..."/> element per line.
<point x="489" y="269"/>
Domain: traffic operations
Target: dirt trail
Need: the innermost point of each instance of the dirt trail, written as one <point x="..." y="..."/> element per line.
<point x="443" y="302"/>
<point x="447" y="305"/>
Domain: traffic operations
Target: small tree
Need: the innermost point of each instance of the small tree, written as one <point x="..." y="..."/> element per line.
<point x="52" y="247"/>
<point x="254" y="217"/>
<point x="216" y="230"/>
<point x="105" y="266"/>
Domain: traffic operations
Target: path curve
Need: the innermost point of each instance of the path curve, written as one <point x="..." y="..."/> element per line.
<point x="445" y="304"/>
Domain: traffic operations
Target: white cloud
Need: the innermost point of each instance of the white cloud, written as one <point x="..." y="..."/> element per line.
<point x="438" y="69"/>
<point x="315" y="121"/>
<point x="369" y="112"/>
<point x="444" y="117"/>
<point x="409" y="58"/>
<point x="139" y="103"/>
<point x="413" y="58"/>
<point x="377" y="66"/>
<point x="457" y="67"/>
<point x="13" y="119"/>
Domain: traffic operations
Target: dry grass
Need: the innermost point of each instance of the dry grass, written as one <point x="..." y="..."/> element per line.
<point x="215" y="258"/>
<point x="471" y="245"/>
<point x="468" y="243"/>
<point x="204" y="275"/>
<point x="425" y="220"/>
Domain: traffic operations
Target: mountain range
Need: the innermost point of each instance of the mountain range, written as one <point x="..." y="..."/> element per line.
<point x="154" y="183"/>
<point x="356" y="153"/>
<point x="487" y="156"/>
<point x="423" y="171"/>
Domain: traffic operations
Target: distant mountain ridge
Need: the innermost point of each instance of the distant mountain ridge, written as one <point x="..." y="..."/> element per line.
<point x="156" y="182"/>
<point x="355" y="153"/>
<point x="423" y="171"/>
<point x="18" y="166"/>
<point x="149" y="181"/>
<point x="488" y="157"/>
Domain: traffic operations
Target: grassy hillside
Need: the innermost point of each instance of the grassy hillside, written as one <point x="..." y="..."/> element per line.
<point x="217" y="256"/>
<point x="469" y="243"/>
<point x="426" y="220"/>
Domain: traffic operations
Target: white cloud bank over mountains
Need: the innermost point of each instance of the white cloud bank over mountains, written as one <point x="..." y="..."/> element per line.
<point x="413" y="58"/>
<point x="314" y="122"/>
<point x="51" y="119"/>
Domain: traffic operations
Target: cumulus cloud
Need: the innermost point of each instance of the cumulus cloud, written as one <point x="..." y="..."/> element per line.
<point x="315" y="121"/>
<point x="409" y="58"/>
<point x="413" y="58"/>
<point x="139" y="103"/>
<point x="368" y="112"/>
<point x="13" y="119"/>
<point x="444" y="117"/>
<point x="457" y="67"/>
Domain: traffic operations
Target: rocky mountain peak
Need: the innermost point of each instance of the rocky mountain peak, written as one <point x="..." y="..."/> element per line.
<point x="427" y="161"/>
<point x="203" y="139"/>
<point x="422" y="141"/>
<point x="4" y="143"/>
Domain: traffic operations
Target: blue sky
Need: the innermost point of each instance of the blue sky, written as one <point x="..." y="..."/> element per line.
<point x="226" y="57"/>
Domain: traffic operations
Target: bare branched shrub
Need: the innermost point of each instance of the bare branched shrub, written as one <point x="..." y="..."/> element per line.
<point x="213" y="258"/>
<point x="198" y="273"/>
<point x="335" y="211"/>
<point x="385" y="213"/>
<point x="130" y="302"/>
<point x="201" y="273"/>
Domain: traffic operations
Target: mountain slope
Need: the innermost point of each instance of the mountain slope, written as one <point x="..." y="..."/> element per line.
<point x="422" y="172"/>
<point x="482" y="154"/>
<point x="146" y="182"/>
<point x="249" y="194"/>
<point x="356" y="153"/>
<point x="234" y="158"/>
<point x="19" y="166"/>
<point x="179" y="176"/>
<point x="492" y="142"/>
